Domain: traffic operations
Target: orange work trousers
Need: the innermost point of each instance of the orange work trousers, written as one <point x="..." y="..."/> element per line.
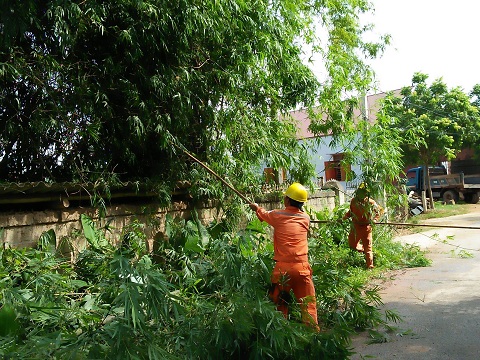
<point x="296" y="277"/>
<point x="362" y="233"/>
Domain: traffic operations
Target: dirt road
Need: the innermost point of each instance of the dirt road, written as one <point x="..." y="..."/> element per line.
<point x="440" y="304"/>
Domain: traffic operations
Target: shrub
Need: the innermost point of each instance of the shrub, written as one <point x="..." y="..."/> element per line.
<point x="201" y="295"/>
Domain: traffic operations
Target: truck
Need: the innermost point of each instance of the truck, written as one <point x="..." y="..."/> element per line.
<point x="446" y="187"/>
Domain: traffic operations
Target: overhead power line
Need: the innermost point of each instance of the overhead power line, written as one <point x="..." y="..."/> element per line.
<point x="407" y="224"/>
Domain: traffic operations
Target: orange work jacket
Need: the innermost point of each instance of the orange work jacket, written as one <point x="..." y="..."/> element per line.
<point x="363" y="211"/>
<point x="290" y="233"/>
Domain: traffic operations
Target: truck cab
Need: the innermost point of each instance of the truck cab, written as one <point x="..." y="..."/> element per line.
<point x="415" y="177"/>
<point x="452" y="187"/>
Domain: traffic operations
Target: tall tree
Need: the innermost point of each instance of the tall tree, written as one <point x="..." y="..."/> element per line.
<point x="96" y="88"/>
<point x="475" y="96"/>
<point x="437" y="122"/>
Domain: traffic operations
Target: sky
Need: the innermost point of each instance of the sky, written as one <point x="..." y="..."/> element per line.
<point x="439" y="38"/>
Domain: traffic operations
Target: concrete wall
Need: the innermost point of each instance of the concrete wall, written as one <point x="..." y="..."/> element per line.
<point x="23" y="229"/>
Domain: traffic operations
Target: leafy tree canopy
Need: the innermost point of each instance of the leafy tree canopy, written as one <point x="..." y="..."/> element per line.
<point x="475" y="95"/>
<point x="97" y="88"/>
<point x="436" y="122"/>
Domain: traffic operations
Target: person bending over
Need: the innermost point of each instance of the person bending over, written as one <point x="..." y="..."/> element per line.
<point x="363" y="211"/>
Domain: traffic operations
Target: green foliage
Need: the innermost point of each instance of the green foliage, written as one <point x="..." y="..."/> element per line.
<point x="94" y="237"/>
<point x="341" y="281"/>
<point x="347" y="73"/>
<point x="100" y="90"/>
<point x="48" y="240"/>
<point x="202" y="294"/>
<point x="114" y="310"/>
<point x="8" y="321"/>
<point x="435" y="122"/>
<point x="395" y="255"/>
<point x="463" y="254"/>
<point x="388" y="253"/>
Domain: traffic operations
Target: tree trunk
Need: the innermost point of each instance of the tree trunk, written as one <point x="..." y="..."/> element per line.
<point x="426" y="178"/>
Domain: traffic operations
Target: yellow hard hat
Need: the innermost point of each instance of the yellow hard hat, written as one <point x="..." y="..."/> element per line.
<point x="362" y="190"/>
<point x="363" y="187"/>
<point x="297" y="192"/>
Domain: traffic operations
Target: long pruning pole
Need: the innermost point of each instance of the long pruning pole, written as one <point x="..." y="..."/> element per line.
<point x="243" y="197"/>
<point x="406" y="224"/>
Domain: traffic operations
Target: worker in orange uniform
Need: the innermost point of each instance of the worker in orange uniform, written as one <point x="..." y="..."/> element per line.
<point x="363" y="211"/>
<point x="292" y="270"/>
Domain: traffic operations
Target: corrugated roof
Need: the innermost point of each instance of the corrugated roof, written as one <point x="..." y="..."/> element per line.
<point x="41" y="187"/>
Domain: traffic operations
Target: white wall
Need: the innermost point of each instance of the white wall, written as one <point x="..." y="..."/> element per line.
<point x="323" y="152"/>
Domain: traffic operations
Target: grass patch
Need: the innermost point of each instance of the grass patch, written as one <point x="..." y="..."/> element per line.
<point x="442" y="211"/>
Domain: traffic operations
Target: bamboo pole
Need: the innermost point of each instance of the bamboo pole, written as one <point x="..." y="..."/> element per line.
<point x="243" y="197"/>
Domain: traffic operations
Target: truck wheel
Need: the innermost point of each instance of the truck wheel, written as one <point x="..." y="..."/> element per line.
<point x="472" y="198"/>
<point x="450" y="195"/>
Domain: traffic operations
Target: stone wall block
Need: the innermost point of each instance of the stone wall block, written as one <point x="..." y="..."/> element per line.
<point x="23" y="229"/>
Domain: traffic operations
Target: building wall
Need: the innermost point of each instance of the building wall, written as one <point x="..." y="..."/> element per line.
<point x="321" y="151"/>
